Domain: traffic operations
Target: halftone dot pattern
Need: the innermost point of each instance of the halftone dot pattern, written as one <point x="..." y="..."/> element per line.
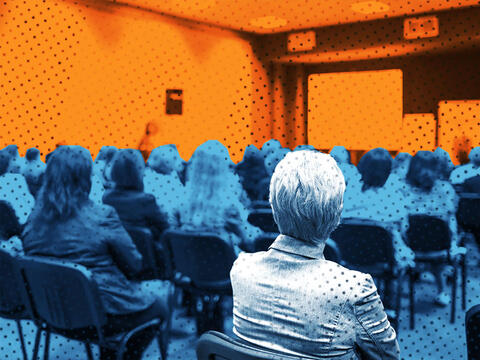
<point x="97" y="72"/>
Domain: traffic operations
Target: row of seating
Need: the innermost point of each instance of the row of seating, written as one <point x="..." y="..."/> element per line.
<point x="61" y="297"/>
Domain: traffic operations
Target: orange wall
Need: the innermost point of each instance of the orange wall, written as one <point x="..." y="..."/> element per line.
<point x="95" y="73"/>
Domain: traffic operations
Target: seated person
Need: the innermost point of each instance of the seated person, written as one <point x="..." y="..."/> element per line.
<point x="290" y="298"/>
<point x="397" y="178"/>
<point x="16" y="162"/>
<point x="349" y="171"/>
<point x="251" y="171"/>
<point x="429" y="195"/>
<point x="14" y="190"/>
<point x="66" y="224"/>
<point x="468" y="171"/>
<point x="444" y="164"/>
<point x="379" y="202"/>
<point x="162" y="181"/>
<point x="33" y="170"/>
<point x="134" y="207"/>
<point x="10" y="230"/>
<point x="213" y="198"/>
<point x="101" y="166"/>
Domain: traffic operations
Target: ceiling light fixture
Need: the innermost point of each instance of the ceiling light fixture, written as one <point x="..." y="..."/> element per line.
<point x="369" y="7"/>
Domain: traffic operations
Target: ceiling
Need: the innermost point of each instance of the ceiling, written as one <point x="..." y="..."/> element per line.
<point x="273" y="16"/>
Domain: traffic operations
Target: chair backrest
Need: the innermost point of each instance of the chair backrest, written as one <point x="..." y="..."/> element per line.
<point x="143" y="239"/>
<point x="363" y="243"/>
<point x="428" y="233"/>
<point x="64" y="295"/>
<point x="13" y="298"/>
<point x="472" y="328"/>
<point x="263" y="218"/>
<point x="260" y="205"/>
<point x="468" y="211"/>
<point x="331" y="251"/>
<point x="213" y="345"/>
<point x="472" y="185"/>
<point x="204" y="257"/>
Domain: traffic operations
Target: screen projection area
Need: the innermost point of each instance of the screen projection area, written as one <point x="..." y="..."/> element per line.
<point x="359" y="110"/>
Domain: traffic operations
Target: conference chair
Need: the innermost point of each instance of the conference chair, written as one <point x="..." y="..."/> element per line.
<point x="364" y="245"/>
<point x="263" y="219"/>
<point x="217" y="346"/>
<point x="13" y="298"/>
<point x="65" y="298"/>
<point x="430" y="239"/>
<point x="202" y="262"/>
<point x="468" y="213"/>
<point x="472" y="328"/>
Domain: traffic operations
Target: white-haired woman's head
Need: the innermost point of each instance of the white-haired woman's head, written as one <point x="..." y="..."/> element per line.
<point x="306" y="195"/>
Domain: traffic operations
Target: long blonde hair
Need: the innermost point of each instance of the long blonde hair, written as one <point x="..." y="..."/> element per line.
<point x="211" y="186"/>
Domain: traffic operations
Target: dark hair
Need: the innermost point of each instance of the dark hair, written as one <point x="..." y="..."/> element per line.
<point x="422" y="172"/>
<point x="9" y="225"/>
<point x="66" y="184"/>
<point x="127" y="169"/>
<point x="375" y="167"/>
<point x="32" y="154"/>
<point x="106" y="153"/>
<point x="4" y="162"/>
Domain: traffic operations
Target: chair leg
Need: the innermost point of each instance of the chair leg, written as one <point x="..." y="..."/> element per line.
<point x="22" y="340"/>
<point x="161" y="345"/>
<point x="88" y="349"/>
<point x="47" y="345"/>
<point x="464" y="282"/>
<point x="398" y="303"/>
<point x="412" y="300"/>
<point x="38" y="337"/>
<point x="454" y="294"/>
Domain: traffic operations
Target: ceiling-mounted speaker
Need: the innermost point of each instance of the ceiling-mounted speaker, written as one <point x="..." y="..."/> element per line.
<point x="301" y="41"/>
<point x="420" y="27"/>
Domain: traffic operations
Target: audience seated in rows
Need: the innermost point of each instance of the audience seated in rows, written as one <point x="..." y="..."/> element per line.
<point x="135" y="207"/>
<point x="375" y="201"/>
<point x="66" y="224"/>
<point x="429" y="194"/>
<point x="290" y="298"/>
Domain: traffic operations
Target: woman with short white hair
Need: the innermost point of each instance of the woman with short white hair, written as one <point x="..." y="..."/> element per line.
<point x="290" y="298"/>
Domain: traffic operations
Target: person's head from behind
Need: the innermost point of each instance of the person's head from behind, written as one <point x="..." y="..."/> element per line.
<point x="127" y="170"/>
<point x="12" y="151"/>
<point x="271" y="146"/>
<point x="444" y="163"/>
<point x="306" y="195"/>
<point x="474" y="156"/>
<point x="374" y="168"/>
<point x="422" y="171"/>
<point x="340" y="154"/>
<point x="66" y="183"/>
<point x="400" y="164"/>
<point x="33" y="154"/>
<point x="273" y="159"/>
<point x="4" y="162"/>
<point x="106" y="154"/>
<point x="165" y="159"/>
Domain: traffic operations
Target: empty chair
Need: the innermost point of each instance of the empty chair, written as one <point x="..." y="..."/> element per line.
<point x="204" y="261"/>
<point x="13" y="301"/>
<point x="364" y="245"/>
<point x="430" y="239"/>
<point x="66" y="298"/>
<point x="472" y="328"/>
<point x="216" y="346"/>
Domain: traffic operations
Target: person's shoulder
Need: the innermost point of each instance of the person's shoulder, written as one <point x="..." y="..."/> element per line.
<point x="103" y="211"/>
<point x="443" y="187"/>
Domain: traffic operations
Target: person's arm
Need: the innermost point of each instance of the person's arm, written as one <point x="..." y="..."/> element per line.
<point x="375" y="337"/>
<point x="155" y="217"/>
<point x="121" y="246"/>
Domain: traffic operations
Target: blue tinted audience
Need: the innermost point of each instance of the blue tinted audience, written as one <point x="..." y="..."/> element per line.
<point x="66" y="224"/>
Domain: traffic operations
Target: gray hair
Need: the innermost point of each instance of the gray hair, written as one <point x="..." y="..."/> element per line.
<point x="306" y="195"/>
